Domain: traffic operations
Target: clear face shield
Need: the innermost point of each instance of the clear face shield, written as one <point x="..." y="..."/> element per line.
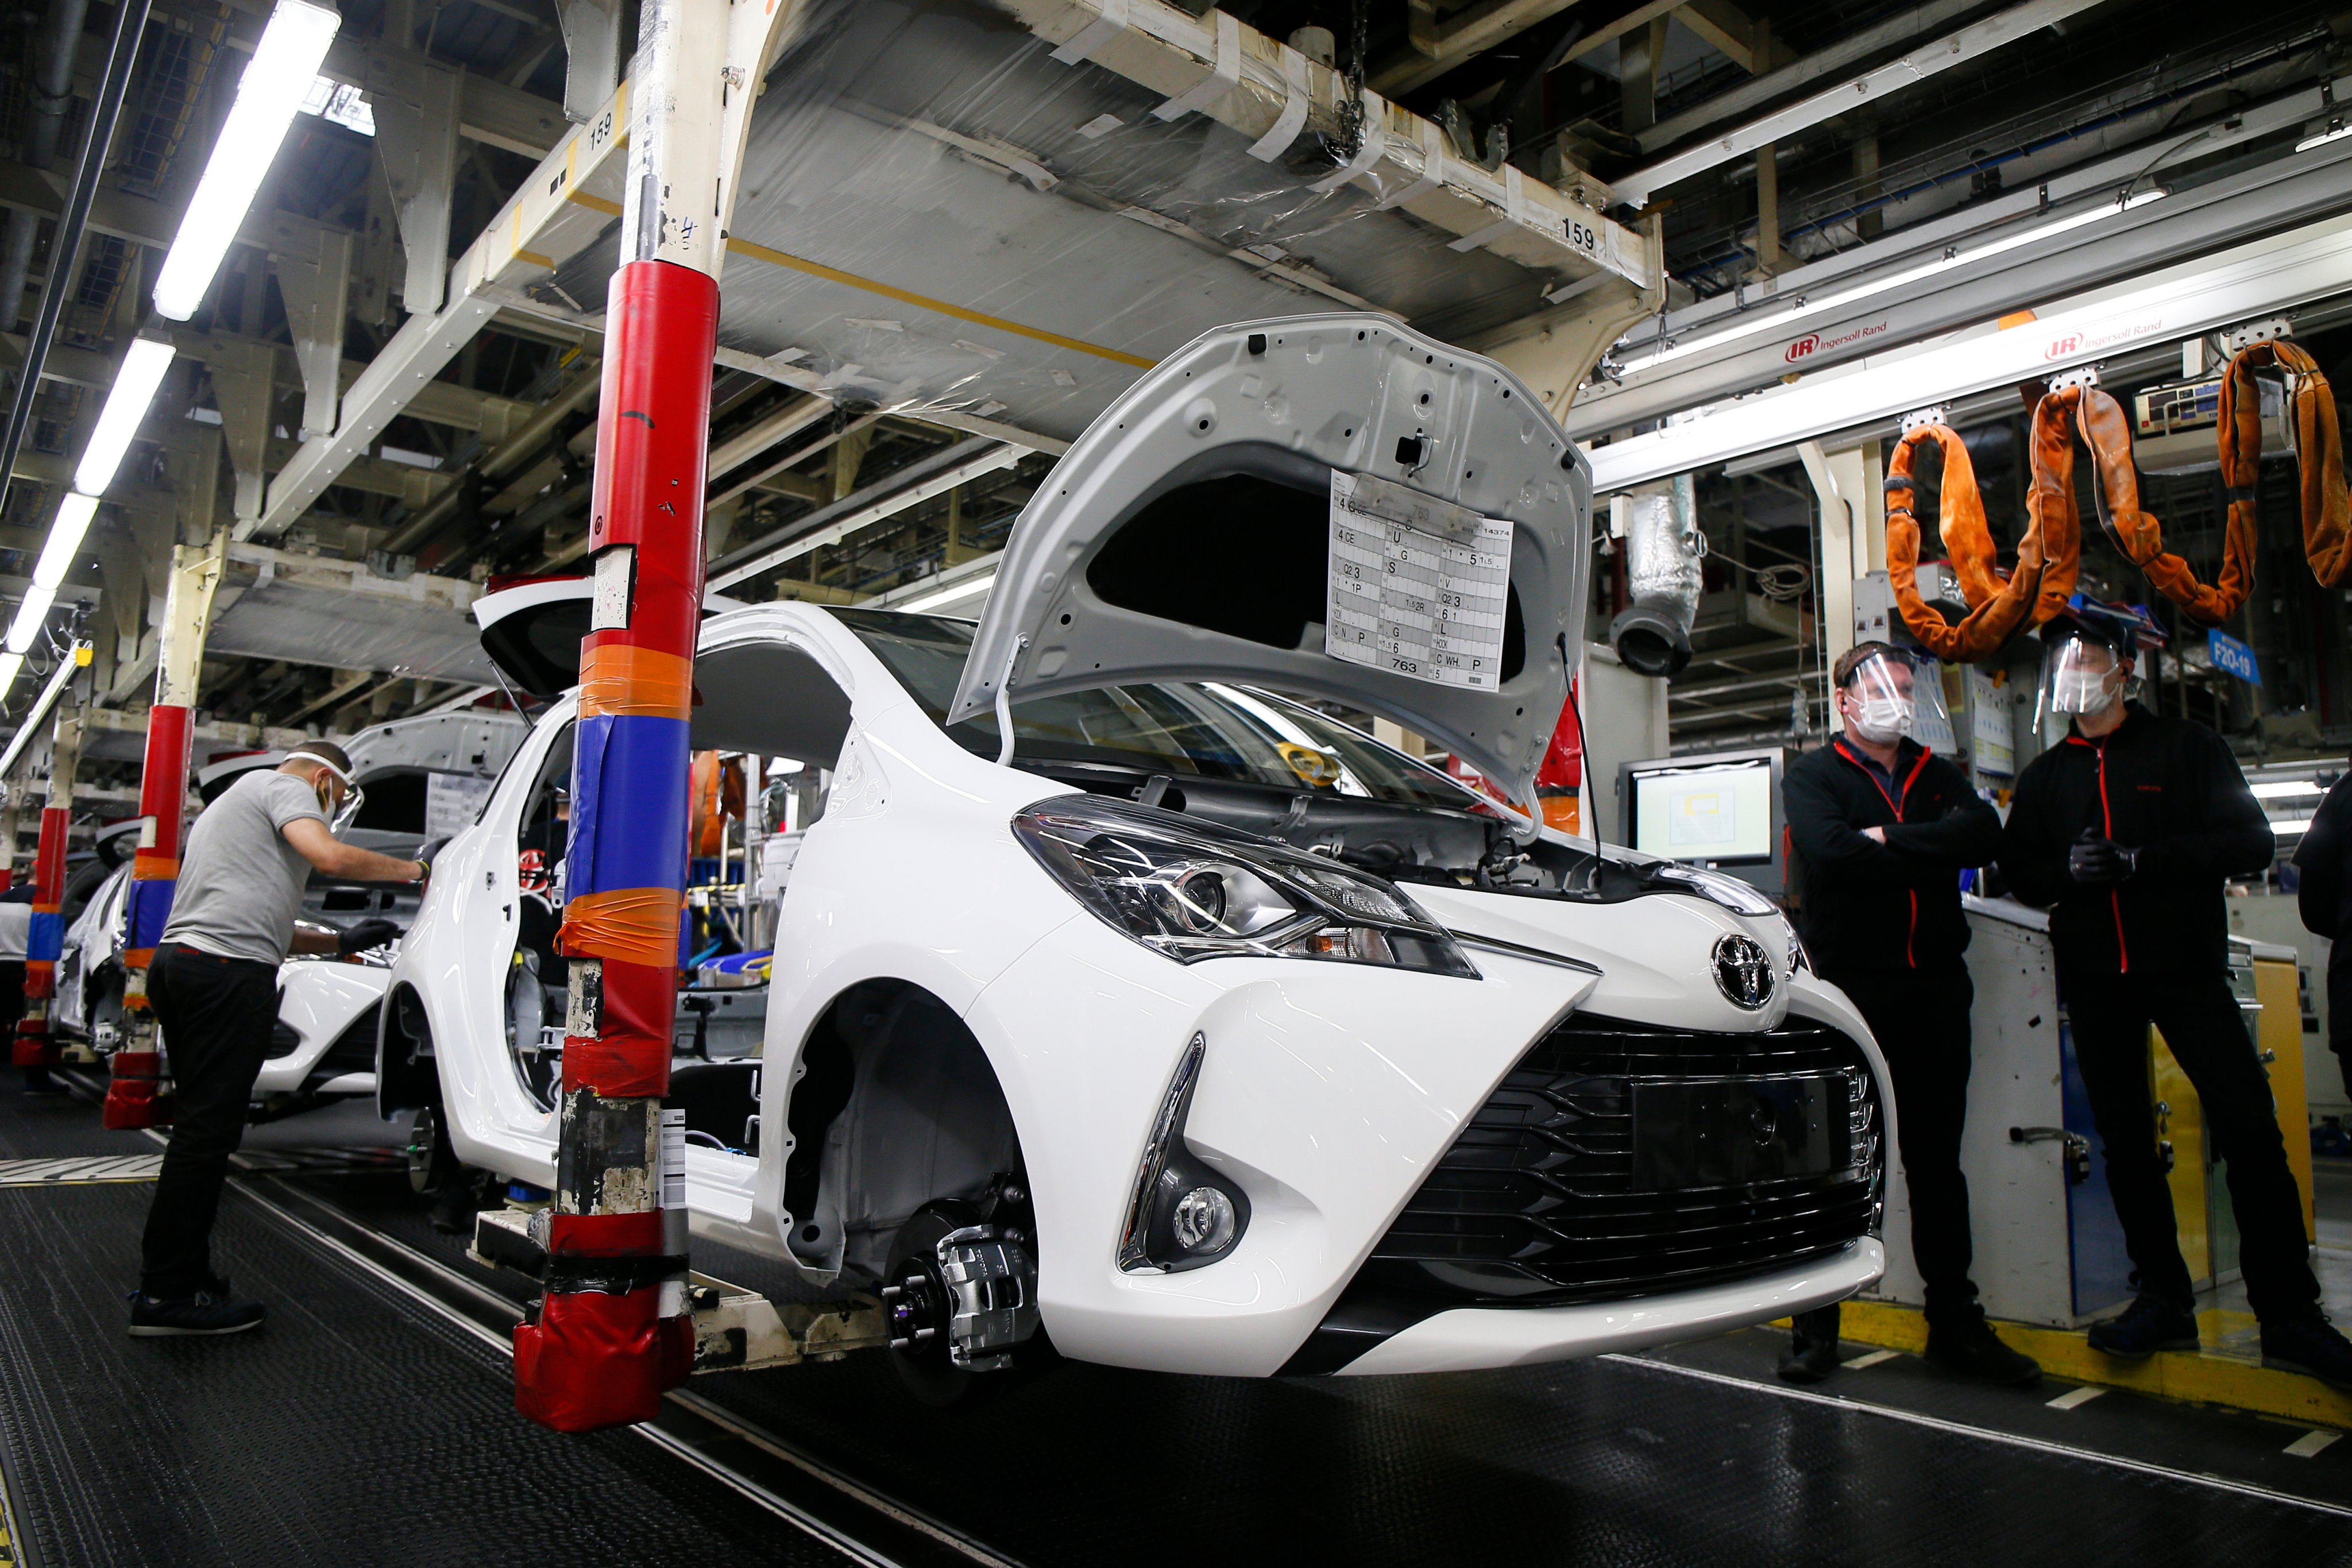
<point x="1890" y="695"/>
<point x="2082" y="675"/>
<point x="339" y="795"/>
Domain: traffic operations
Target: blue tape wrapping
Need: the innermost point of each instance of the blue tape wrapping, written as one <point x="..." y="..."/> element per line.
<point x="46" y="939"/>
<point x="146" y="912"/>
<point x="628" y="804"/>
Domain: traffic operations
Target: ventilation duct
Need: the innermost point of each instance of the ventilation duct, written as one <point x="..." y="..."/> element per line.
<point x="1663" y="547"/>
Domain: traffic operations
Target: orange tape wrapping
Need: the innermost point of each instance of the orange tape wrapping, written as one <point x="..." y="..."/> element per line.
<point x="2107" y="432"/>
<point x="637" y="925"/>
<point x="2318" y="450"/>
<point x="624" y="679"/>
<point x="1999" y="606"/>
<point x="147" y="866"/>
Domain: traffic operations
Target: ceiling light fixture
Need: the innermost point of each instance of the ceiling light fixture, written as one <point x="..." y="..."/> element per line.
<point x="26" y="627"/>
<point x="276" y="80"/>
<point x="135" y="381"/>
<point x="66" y="535"/>
<point x="2336" y="129"/>
<point x="1804" y="306"/>
<point x="963" y="588"/>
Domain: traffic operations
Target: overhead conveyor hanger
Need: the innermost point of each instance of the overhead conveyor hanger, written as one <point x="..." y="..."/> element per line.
<point x="2259" y="279"/>
<point x="2080" y="230"/>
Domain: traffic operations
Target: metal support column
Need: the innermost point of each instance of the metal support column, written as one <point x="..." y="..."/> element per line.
<point x="137" y="1083"/>
<point x="611" y="1333"/>
<point x="34" y="1046"/>
<point x="1853" y="536"/>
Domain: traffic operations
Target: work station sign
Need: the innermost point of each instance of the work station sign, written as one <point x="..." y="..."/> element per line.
<point x="2232" y="656"/>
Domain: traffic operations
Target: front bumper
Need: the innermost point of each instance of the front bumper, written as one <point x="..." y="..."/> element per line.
<point x="1473" y="1337"/>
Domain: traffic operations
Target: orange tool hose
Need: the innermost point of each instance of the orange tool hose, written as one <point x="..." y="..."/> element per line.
<point x="1999" y="606"/>
<point x="2318" y="449"/>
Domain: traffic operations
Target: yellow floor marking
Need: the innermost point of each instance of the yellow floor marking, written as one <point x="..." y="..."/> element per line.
<point x="2190" y="1376"/>
<point x="1873" y="1359"/>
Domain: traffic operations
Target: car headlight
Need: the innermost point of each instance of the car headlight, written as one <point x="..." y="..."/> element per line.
<point x="1193" y="890"/>
<point x="1732" y="893"/>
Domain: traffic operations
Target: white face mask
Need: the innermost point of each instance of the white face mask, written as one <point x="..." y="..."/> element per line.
<point x="2085" y="690"/>
<point x="1879" y="720"/>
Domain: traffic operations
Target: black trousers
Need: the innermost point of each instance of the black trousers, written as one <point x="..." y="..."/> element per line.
<point x="2201" y="1023"/>
<point x="1920" y="1020"/>
<point x="216" y="1015"/>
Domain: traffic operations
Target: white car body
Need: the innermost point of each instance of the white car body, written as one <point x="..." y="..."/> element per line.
<point x="1327" y="1093"/>
<point x="324" y="1046"/>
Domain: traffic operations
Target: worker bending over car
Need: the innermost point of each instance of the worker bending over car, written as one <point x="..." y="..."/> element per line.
<point x="1884" y="828"/>
<point x="214" y="988"/>
<point x="2128" y="828"/>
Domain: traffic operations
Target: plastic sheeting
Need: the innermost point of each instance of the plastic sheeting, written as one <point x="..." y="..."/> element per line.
<point x="936" y="212"/>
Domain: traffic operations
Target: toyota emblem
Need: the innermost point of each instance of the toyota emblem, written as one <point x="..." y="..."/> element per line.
<point x="1743" y="971"/>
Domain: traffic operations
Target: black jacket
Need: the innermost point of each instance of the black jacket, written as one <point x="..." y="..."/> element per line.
<point x="2168" y="788"/>
<point x="2325" y="896"/>
<point x="1895" y="906"/>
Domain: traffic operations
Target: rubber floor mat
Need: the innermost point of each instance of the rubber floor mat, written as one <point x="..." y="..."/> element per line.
<point x="355" y="1429"/>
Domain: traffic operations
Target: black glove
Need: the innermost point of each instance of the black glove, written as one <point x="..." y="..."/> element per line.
<point x="2097" y="862"/>
<point x="425" y="854"/>
<point x="363" y="935"/>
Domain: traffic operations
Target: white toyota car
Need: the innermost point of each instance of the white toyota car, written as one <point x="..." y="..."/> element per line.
<point x="1236" y="1041"/>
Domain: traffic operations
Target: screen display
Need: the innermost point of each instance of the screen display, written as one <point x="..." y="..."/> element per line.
<point x="1705" y="811"/>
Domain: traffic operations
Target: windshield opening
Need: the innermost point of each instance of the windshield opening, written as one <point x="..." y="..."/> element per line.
<point x="1209" y="731"/>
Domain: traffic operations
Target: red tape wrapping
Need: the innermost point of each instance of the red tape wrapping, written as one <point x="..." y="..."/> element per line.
<point x="629" y="1056"/>
<point x="33" y="1047"/>
<point x="595" y="1360"/>
<point x="132" y="1097"/>
<point x="604" y="1234"/>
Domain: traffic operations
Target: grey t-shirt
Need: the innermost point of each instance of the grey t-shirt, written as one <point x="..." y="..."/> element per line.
<point x="240" y="882"/>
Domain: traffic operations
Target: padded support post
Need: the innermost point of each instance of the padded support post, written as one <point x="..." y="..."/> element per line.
<point x="137" y="1090"/>
<point x="613" y="1330"/>
<point x="35" y="1045"/>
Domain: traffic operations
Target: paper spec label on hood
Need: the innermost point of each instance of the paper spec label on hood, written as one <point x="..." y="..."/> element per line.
<point x="1417" y="585"/>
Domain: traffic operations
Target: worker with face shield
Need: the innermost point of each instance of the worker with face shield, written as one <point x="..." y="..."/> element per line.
<point x="212" y="985"/>
<point x="1882" y="828"/>
<point x="2127" y="829"/>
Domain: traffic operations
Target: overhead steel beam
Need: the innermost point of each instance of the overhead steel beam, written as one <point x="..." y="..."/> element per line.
<point x="2243" y="283"/>
<point x="910" y="486"/>
<point x="1439" y="46"/>
<point x="1906" y="26"/>
<point x="2295" y="189"/>
<point x="1956" y="48"/>
<point x="562" y="206"/>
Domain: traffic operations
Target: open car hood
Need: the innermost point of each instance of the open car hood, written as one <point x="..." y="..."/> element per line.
<point x="1271" y="477"/>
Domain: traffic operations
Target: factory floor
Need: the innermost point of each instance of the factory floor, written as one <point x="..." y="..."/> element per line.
<point x="370" y="1422"/>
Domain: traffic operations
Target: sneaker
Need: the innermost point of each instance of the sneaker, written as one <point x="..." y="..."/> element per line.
<point x="1973" y="1351"/>
<point x="2312" y="1346"/>
<point x="1812" y="1353"/>
<point x="207" y="1312"/>
<point x="2148" y="1325"/>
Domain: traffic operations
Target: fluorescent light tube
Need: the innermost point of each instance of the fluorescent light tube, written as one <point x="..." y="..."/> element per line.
<point x="1766" y="320"/>
<point x="277" y="77"/>
<point x="2286" y="790"/>
<point x="66" y="535"/>
<point x="134" y="387"/>
<point x="2288" y="829"/>
<point x="25" y="629"/>
<point x="10" y="664"/>
<point x="963" y="588"/>
<point x="2332" y="131"/>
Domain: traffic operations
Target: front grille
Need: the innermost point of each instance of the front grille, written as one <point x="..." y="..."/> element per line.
<point x="1535" y="1203"/>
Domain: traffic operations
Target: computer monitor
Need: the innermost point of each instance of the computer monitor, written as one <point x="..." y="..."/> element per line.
<point x="1721" y="810"/>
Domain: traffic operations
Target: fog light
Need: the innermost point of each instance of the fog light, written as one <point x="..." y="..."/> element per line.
<point x="1203" y="1220"/>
